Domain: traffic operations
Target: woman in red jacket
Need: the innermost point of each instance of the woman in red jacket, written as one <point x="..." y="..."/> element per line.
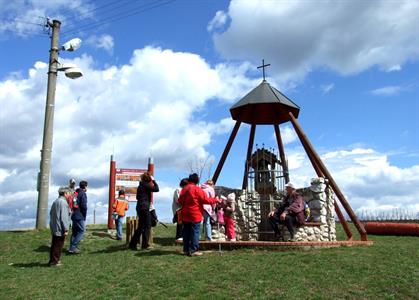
<point x="192" y="198"/>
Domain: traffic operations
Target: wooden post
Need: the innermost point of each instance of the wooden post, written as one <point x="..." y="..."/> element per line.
<point x="225" y="153"/>
<point x="248" y="156"/>
<point x="320" y="174"/>
<point x="322" y="167"/>
<point x="282" y="153"/>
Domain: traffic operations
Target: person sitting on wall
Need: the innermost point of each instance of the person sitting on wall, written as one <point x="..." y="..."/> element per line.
<point x="290" y="212"/>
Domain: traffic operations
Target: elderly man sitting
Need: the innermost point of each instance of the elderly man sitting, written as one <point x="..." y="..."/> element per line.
<point x="290" y="212"/>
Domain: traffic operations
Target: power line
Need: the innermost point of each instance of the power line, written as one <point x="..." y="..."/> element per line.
<point x="119" y="16"/>
<point x="114" y="6"/>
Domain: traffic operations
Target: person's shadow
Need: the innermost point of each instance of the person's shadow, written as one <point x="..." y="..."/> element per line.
<point x="42" y="248"/>
<point x="30" y="265"/>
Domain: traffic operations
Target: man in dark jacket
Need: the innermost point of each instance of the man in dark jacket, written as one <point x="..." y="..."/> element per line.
<point x="79" y="218"/>
<point x="145" y="189"/>
<point x="290" y="213"/>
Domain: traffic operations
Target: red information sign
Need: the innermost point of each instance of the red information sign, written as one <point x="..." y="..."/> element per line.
<point x="127" y="180"/>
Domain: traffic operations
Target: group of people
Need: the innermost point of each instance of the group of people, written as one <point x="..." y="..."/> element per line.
<point x="192" y="205"/>
<point x="70" y="208"/>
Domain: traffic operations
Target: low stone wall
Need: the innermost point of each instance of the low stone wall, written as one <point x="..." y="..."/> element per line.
<point x="251" y="225"/>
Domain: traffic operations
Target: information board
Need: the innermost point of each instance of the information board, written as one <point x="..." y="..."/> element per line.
<point x="127" y="180"/>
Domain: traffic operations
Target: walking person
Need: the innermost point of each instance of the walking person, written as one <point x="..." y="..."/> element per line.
<point x="79" y="218"/>
<point x="120" y="206"/>
<point x="145" y="189"/>
<point x="192" y="198"/>
<point x="176" y="209"/>
<point x="59" y="223"/>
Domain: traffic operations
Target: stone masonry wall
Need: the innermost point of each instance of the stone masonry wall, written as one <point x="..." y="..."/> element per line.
<point x="318" y="196"/>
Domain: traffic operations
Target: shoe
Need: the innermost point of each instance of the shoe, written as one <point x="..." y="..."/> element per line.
<point x="75" y="251"/>
<point x="58" y="264"/>
<point x="197" y="253"/>
<point x="147" y="248"/>
<point x="179" y="239"/>
<point x="292" y="239"/>
<point x="134" y="248"/>
<point x="233" y="240"/>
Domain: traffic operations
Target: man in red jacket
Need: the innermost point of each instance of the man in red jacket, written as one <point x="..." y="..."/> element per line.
<point x="192" y="198"/>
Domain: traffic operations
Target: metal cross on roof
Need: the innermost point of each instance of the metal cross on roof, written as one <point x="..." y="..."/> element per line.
<point x="263" y="67"/>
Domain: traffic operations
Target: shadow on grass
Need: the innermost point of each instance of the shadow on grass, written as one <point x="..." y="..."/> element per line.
<point x="30" y="265"/>
<point x="42" y="248"/>
<point x="156" y="252"/>
<point x="111" y="249"/>
<point x="164" y="241"/>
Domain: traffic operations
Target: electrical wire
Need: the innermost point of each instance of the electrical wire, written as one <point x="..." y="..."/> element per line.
<point x="119" y="16"/>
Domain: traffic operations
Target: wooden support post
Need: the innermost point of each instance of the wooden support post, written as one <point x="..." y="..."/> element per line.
<point x="320" y="174"/>
<point x="282" y="153"/>
<point x="225" y="153"/>
<point x="248" y="156"/>
<point x="323" y="169"/>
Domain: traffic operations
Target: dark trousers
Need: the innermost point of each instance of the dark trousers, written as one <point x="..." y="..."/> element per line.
<point x="144" y="227"/>
<point x="290" y="222"/>
<point x="56" y="248"/>
<point x="191" y="237"/>
<point x="179" y="228"/>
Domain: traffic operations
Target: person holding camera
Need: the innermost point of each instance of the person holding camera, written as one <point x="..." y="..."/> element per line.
<point x="145" y="189"/>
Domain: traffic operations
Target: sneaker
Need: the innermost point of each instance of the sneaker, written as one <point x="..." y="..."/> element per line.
<point x="179" y="239"/>
<point x="292" y="239"/>
<point x="197" y="253"/>
<point x="147" y="248"/>
<point x="232" y="240"/>
<point x="75" y="251"/>
<point x="58" y="264"/>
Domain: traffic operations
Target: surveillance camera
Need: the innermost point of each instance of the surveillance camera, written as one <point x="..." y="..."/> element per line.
<point x="72" y="45"/>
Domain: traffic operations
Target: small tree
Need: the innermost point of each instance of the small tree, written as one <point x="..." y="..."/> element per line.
<point x="201" y="166"/>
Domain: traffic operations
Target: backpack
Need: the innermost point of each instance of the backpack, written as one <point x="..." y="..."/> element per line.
<point x="306" y="211"/>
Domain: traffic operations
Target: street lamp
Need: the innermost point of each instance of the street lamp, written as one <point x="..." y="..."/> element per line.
<point x="73" y="72"/>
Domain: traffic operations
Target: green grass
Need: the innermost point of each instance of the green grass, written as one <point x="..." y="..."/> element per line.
<point x="105" y="270"/>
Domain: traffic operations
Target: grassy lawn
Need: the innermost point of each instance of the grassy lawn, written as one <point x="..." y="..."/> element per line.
<point x="387" y="270"/>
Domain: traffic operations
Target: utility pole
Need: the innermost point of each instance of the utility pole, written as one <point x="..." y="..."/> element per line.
<point x="45" y="165"/>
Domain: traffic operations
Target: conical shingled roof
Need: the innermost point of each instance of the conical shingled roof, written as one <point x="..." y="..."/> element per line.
<point x="264" y="105"/>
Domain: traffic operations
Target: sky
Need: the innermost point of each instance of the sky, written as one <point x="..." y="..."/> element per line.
<point x="159" y="78"/>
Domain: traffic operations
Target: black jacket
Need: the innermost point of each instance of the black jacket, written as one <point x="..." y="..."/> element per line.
<point x="144" y="191"/>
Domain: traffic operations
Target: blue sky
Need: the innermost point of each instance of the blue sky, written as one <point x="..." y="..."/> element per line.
<point x="160" y="77"/>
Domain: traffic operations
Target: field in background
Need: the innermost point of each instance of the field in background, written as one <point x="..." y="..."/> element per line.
<point x="387" y="270"/>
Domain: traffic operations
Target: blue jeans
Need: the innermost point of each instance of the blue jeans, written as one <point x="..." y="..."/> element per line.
<point x="77" y="234"/>
<point x="191" y="237"/>
<point x="207" y="225"/>
<point x="118" y="225"/>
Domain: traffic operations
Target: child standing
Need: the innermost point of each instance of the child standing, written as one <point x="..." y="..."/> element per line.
<point x="119" y="207"/>
<point x="229" y="217"/>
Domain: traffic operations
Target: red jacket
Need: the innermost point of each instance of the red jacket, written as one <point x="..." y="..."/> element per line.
<point x="192" y="198"/>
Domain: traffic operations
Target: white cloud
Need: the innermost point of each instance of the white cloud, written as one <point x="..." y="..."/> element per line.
<point x="25" y="18"/>
<point x="326" y="88"/>
<point x="151" y="105"/>
<point x="298" y="36"/>
<point x="218" y="21"/>
<point x="104" y="41"/>
<point x="387" y="91"/>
